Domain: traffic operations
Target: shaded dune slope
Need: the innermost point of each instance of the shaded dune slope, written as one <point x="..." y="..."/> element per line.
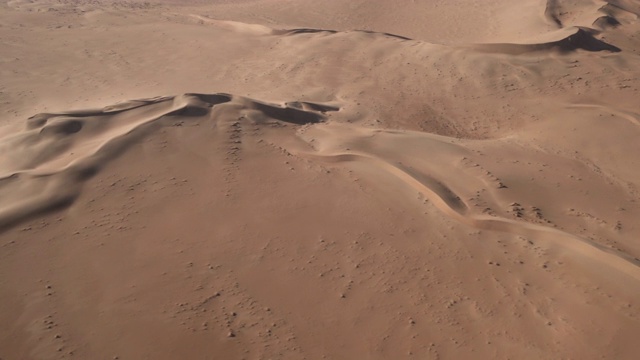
<point x="629" y="6"/>
<point x="552" y="12"/>
<point x="58" y="152"/>
<point x="256" y="29"/>
<point x="565" y="40"/>
<point x="605" y="22"/>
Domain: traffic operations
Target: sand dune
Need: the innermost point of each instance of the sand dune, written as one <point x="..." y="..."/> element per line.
<point x="50" y="161"/>
<point x="564" y="40"/>
<point x="443" y="179"/>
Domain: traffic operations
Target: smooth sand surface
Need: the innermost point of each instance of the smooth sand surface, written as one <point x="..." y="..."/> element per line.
<point x="297" y="179"/>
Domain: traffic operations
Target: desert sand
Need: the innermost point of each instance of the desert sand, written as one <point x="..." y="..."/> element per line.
<point x="298" y="179"/>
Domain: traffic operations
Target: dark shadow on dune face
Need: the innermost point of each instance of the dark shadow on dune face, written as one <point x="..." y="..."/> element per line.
<point x="315" y="31"/>
<point x="386" y="34"/>
<point x="212" y="99"/>
<point x="38" y="120"/>
<point x="189" y="111"/>
<point x="582" y="39"/>
<point x="61" y="203"/>
<point x="86" y="173"/>
<point x="296" y="112"/>
<point x="132" y="104"/>
<point x="68" y="127"/>
<point x="604" y="22"/>
<point x="289" y="114"/>
<point x="302" y="105"/>
<point x="309" y="31"/>
<point x="65" y="127"/>
<point x="552" y="12"/>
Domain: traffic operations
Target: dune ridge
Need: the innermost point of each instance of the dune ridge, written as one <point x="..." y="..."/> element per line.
<point x="566" y="39"/>
<point x="60" y="151"/>
<point x="449" y="203"/>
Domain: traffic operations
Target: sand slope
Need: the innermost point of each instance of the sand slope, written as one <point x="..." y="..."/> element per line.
<point x="294" y="179"/>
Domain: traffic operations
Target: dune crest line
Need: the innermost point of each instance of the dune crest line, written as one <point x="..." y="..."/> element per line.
<point x="445" y="200"/>
<point x="564" y="40"/>
<point x="58" y="152"/>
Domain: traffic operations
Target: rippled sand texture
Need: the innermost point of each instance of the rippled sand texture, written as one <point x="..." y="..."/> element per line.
<point x="297" y="179"/>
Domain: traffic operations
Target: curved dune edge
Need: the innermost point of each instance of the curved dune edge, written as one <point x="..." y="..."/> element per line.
<point x="58" y="152"/>
<point x="605" y="22"/>
<point x="363" y="149"/>
<point x="563" y="40"/>
<point x="257" y="29"/>
<point x="629" y="6"/>
<point x="450" y="204"/>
